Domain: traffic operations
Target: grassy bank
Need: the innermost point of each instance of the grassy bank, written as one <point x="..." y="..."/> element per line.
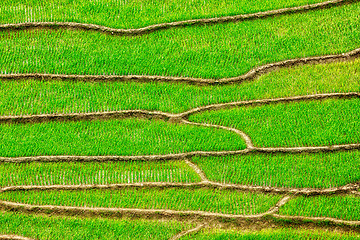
<point x="313" y="123"/>
<point x="112" y="137"/>
<point x="316" y="170"/>
<point x="133" y="13"/>
<point x="210" y="200"/>
<point x="75" y="173"/>
<point x="36" y="97"/>
<point x="215" y="51"/>
<point x="342" y="207"/>
<point x="59" y="228"/>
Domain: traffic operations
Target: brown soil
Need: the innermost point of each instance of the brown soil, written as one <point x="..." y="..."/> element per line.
<point x="180" y="156"/>
<point x="350" y="188"/>
<point x="13" y="237"/>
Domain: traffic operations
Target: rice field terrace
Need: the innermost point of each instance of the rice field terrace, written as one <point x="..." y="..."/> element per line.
<point x="201" y="119"/>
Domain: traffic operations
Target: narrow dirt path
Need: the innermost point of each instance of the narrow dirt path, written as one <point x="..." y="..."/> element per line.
<point x="59" y="117"/>
<point x="251" y="75"/>
<point x="244" y="136"/>
<point x="176" y="24"/>
<point x="172" y="214"/>
<point x="193" y="230"/>
<point x="351" y="188"/>
<point x="197" y="170"/>
<point x="275" y="209"/>
<point x="120" y="212"/>
<point x="318" y="219"/>
<point x="180" y="156"/>
<point x="261" y="102"/>
<point x="13" y="237"/>
<point x="172" y="117"/>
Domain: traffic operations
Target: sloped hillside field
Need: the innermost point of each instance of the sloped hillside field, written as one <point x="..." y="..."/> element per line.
<point x="189" y="119"/>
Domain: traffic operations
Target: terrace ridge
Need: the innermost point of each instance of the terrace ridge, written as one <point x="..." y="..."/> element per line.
<point x="119" y="212"/>
<point x="350" y="188"/>
<point x="175" y="24"/>
<point x="175" y="214"/>
<point x="183" y="233"/>
<point x="180" y="156"/>
<point x="172" y="117"/>
<point x="13" y="237"/>
<point x="178" y="118"/>
<point x="249" y="76"/>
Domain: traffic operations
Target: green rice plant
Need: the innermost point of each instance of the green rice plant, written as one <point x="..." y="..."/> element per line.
<point x="315" y="170"/>
<point x="313" y="123"/>
<point x="36" y="97"/>
<point x="272" y="234"/>
<point x="112" y="137"/>
<point x="341" y="207"/>
<point x="202" y="199"/>
<point x="75" y="173"/>
<point x="72" y="228"/>
<point x="221" y="50"/>
<point x="133" y="13"/>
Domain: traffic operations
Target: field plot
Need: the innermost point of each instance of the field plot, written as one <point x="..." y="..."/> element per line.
<point x="293" y="124"/>
<point x="180" y="119"/>
<point x="215" y="51"/>
<point x="45" y="227"/>
<point x="26" y="97"/>
<point x="112" y="137"/>
<point x="317" y="170"/>
<point x="75" y="173"/>
<point x="137" y="13"/>
<point x="343" y="207"/>
<point x="209" y="200"/>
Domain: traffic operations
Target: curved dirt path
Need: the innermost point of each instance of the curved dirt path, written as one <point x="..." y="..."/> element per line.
<point x="198" y="171"/>
<point x="172" y="117"/>
<point x="251" y="75"/>
<point x="190" y="231"/>
<point x="13" y="237"/>
<point x="350" y="188"/>
<point x="37" y="118"/>
<point x="260" y="102"/>
<point x="173" y="214"/>
<point x="334" y="221"/>
<point x="179" y="156"/>
<point x="177" y="24"/>
<point x="133" y="212"/>
<point x="244" y="136"/>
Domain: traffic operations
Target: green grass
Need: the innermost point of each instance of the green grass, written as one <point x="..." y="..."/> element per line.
<point x="75" y="173"/>
<point x="316" y="170"/>
<point x="36" y="97"/>
<point x="133" y="13"/>
<point x="112" y="137"/>
<point x="341" y="207"/>
<point x="66" y="228"/>
<point x="214" y="51"/>
<point x="281" y="234"/>
<point x="312" y="123"/>
<point x="210" y="200"/>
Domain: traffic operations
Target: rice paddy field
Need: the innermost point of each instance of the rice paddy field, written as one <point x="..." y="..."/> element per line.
<point x="201" y="119"/>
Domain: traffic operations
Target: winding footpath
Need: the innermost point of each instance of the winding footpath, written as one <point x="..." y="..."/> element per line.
<point x="350" y="188"/>
<point x="187" y="232"/>
<point x="13" y="237"/>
